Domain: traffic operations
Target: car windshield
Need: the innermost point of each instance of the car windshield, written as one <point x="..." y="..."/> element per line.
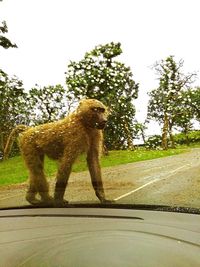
<point x="99" y="103"/>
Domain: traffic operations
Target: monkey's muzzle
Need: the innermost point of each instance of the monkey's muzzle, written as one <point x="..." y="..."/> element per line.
<point x="101" y="125"/>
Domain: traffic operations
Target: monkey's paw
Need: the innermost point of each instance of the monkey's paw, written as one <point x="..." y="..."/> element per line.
<point x="60" y="203"/>
<point x="107" y="201"/>
<point x="37" y="202"/>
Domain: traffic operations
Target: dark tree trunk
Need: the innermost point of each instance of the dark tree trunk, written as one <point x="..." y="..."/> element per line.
<point x="171" y="136"/>
<point x="164" y="132"/>
<point x="186" y="136"/>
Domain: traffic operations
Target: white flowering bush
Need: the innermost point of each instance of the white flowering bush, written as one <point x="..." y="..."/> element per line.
<point x="154" y="142"/>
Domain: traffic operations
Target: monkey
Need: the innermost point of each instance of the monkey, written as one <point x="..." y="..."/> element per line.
<point x="63" y="140"/>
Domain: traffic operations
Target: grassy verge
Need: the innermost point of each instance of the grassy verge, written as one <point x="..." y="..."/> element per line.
<point x="13" y="170"/>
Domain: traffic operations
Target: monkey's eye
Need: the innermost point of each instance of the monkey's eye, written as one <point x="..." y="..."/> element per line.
<point x="98" y="109"/>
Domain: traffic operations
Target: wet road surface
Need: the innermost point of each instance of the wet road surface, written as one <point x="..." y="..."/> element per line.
<point x="173" y="180"/>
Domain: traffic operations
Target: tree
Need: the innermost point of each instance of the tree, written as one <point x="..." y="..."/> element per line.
<point x="140" y="129"/>
<point x="12" y="95"/>
<point x="5" y="42"/>
<point x="188" y="110"/>
<point x="47" y="104"/>
<point x="184" y="114"/>
<point x="13" y="105"/>
<point x="194" y="101"/>
<point x="99" y="76"/>
<point x="164" y="101"/>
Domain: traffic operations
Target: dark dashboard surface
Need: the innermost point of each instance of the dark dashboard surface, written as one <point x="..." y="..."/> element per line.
<point x="98" y="237"/>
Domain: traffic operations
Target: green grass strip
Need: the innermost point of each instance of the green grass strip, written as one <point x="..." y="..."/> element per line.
<point x="13" y="171"/>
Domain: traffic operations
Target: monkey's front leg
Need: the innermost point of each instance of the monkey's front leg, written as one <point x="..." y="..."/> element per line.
<point x="61" y="183"/>
<point x="95" y="173"/>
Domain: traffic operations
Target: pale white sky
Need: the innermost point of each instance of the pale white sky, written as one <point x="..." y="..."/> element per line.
<point x="50" y="33"/>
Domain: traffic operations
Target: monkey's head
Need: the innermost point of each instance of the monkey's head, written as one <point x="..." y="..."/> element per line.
<point x="93" y="113"/>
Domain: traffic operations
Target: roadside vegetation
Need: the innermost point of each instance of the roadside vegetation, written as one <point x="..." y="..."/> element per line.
<point x="174" y="104"/>
<point x="13" y="170"/>
<point x="191" y="138"/>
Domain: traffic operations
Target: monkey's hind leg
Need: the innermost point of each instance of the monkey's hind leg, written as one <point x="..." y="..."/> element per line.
<point x="38" y="182"/>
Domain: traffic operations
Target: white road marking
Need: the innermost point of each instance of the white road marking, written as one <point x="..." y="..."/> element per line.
<point x="149" y="183"/>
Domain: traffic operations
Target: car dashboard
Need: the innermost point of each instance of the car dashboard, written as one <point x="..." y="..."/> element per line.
<point x="85" y="237"/>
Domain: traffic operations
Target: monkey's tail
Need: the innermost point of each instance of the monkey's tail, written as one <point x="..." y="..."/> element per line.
<point x="11" y="138"/>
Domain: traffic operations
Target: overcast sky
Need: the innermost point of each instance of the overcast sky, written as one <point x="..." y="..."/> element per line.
<point x="50" y="33"/>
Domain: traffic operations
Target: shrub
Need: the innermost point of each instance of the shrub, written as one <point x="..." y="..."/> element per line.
<point x="192" y="137"/>
<point x="154" y="142"/>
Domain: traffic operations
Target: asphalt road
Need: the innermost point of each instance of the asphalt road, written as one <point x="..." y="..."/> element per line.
<point x="173" y="180"/>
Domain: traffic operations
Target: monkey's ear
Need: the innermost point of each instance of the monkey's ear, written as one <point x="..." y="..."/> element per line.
<point x="82" y="101"/>
<point x="81" y="104"/>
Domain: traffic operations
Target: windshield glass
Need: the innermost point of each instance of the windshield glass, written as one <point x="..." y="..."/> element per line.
<point x="99" y="103"/>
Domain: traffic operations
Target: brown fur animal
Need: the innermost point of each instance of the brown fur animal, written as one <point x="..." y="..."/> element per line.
<point x="63" y="140"/>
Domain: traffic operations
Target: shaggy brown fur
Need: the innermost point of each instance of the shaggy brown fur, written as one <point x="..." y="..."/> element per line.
<point x="63" y="140"/>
